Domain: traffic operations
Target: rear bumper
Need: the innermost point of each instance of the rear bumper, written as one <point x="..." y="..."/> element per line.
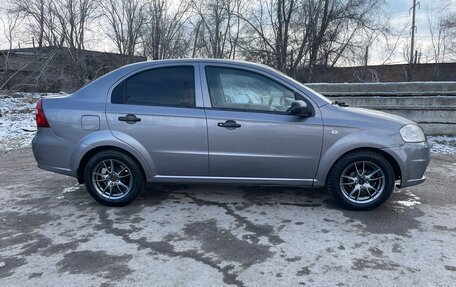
<point x="52" y="152"/>
<point x="55" y="169"/>
<point x="413" y="159"/>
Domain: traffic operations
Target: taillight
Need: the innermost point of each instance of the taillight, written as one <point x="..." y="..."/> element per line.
<point x="41" y="121"/>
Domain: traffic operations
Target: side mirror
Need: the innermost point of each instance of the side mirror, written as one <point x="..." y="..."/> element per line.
<point x="300" y="108"/>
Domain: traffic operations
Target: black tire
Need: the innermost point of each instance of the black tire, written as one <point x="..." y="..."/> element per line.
<point x="133" y="173"/>
<point x="334" y="179"/>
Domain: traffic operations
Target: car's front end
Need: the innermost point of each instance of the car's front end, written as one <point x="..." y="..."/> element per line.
<point x="402" y="141"/>
<point x="413" y="156"/>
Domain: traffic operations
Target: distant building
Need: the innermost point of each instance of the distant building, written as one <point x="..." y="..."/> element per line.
<point x="381" y="73"/>
<point x="54" y="69"/>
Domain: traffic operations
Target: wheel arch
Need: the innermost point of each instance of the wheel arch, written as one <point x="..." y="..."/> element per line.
<point x="103" y="140"/>
<point x="323" y="176"/>
<point x="90" y="153"/>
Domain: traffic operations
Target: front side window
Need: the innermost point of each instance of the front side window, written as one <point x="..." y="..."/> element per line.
<point x="243" y="90"/>
<point x="171" y="86"/>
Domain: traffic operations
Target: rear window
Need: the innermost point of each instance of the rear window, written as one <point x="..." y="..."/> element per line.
<point x="171" y="86"/>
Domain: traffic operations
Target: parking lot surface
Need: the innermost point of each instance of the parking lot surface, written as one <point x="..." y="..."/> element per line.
<point x="52" y="233"/>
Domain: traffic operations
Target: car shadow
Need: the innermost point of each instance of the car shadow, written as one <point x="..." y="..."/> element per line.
<point x="237" y="194"/>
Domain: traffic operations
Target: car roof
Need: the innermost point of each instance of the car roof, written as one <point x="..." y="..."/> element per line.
<point x="196" y="61"/>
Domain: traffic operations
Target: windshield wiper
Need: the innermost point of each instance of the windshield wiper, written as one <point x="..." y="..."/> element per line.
<point x="339" y="103"/>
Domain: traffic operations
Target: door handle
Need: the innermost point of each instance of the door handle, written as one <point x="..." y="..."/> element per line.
<point x="229" y="124"/>
<point x="130" y="119"/>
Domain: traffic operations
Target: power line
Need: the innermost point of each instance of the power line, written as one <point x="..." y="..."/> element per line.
<point x="412" y="44"/>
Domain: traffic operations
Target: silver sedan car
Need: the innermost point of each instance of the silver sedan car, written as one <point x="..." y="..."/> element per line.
<point x="221" y="121"/>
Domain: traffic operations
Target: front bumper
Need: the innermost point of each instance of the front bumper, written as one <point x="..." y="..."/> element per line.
<point x="413" y="159"/>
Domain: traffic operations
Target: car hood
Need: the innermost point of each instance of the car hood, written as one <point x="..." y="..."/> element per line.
<point x="378" y="115"/>
<point x="361" y="118"/>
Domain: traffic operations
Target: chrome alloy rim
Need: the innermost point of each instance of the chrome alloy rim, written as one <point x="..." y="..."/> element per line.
<point x="362" y="182"/>
<point x="112" y="179"/>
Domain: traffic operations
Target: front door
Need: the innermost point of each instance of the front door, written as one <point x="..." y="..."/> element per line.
<point x="251" y="134"/>
<point x="157" y="109"/>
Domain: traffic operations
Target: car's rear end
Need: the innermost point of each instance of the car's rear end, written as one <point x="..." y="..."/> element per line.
<point x="72" y="126"/>
<point x="62" y="123"/>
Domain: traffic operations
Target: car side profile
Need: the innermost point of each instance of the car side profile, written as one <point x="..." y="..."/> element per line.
<point x="223" y="121"/>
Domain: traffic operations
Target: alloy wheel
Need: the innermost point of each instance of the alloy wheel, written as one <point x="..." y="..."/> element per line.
<point x="362" y="182"/>
<point x="112" y="179"/>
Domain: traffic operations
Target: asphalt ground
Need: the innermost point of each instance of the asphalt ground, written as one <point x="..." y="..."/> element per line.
<point x="52" y="233"/>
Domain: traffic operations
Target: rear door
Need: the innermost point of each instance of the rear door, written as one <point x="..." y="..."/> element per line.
<point x="160" y="109"/>
<point x="251" y="134"/>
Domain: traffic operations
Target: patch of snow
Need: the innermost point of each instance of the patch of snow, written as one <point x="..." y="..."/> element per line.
<point x="443" y="144"/>
<point x="412" y="200"/>
<point x="71" y="188"/>
<point x="408" y="203"/>
<point x="68" y="190"/>
<point x="17" y="120"/>
<point x="17" y="116"/>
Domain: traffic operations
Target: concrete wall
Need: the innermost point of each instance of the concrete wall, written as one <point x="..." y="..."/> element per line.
<point x="432" y="105"/>
<point x="55" y="69"/>
<point x="382" y="73"/>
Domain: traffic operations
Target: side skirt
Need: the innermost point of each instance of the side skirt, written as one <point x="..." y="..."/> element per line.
<point x="235" y="180"/>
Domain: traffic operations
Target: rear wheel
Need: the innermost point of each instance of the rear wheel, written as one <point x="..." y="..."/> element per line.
<point x="361" y="180"/>
<point x="113" y="178"/>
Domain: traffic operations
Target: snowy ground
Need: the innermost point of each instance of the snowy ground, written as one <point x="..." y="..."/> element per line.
<point x="17" y="120"/>
<point x="443" y="144"/>
<point x="54" y="234"/>
<point x="17" y="124"/>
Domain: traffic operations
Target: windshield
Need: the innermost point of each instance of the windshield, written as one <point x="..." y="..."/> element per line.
<point x="309" y="90"/>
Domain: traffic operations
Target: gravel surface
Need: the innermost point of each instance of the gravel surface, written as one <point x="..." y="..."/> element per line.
<point x="53" y="234"/>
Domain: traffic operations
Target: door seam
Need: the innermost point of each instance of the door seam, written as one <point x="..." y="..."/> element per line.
<point x="205" y="116"/>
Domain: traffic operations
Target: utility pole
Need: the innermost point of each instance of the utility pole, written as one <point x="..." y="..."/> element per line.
<point x="412" y="44"/>
<point x="366" y="56"/>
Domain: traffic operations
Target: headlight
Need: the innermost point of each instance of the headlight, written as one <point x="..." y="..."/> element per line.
<point x="412" y="134"/>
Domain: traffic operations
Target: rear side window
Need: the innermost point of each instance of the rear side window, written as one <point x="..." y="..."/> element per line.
<point x="171" y="86"/>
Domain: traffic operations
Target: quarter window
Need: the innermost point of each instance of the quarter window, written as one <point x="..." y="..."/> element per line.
<point x="239" y="89"/>
<point x="170" y="86"/>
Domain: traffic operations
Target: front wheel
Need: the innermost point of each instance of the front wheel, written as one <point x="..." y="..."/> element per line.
<point x="361" y="180"/>
<point x="113" y="178"/>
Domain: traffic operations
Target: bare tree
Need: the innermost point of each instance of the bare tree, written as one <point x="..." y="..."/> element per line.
<point x="341" y="31"/>
<point x="442" y="24"/>
<point x="165" y="34"/>
<point x="391" y="41"/>
<point x="74" y="17"/>
<point x="439" y="20"/>
<point x="37" y="13"/>
<point x="10" y="23"/>
<point x="308" y="33"/>
<point x="217" y="27"/>
<point x="57" y="22"/>
<point x="298" y="37"/>
<point x="126" y="18"/>
<point x="266" y="41"/>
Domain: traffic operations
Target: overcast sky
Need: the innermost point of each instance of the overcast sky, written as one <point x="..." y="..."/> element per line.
<point x="400" y="16"/>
